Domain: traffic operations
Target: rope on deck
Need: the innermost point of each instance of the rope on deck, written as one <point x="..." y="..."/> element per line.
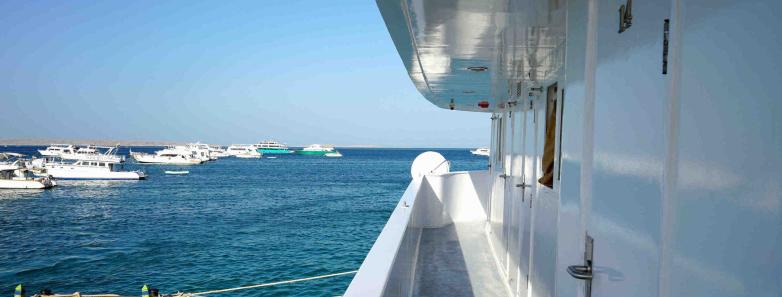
<point x="271" y="284"/>
<point x="181" y="294"/>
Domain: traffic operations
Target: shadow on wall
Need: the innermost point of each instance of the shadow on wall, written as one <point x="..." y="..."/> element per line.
<point x="453" y="197"/>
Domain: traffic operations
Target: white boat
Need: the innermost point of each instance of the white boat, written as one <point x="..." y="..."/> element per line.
<point x="245" y="151"/>
<point x="483" y="151"/>
<point x="334" y="154"/>
<point x="177" y="172"/>
<point x="215" y="151"/>
<point x="94" y="153"/>
<point x="14" y="174"/>
<point x="635" y="150"/>
<point x="55" y="150"/>
<point x="199" y="150"/>
<point x="90" y="170"/>
<point x="170" y="156"/>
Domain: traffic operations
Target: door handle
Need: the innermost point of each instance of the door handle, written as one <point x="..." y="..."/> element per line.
<point x="580" y="271"/>
<point x="522" y="185"/>
<point x="584" y="272"/>
<point x="503" y="175"/>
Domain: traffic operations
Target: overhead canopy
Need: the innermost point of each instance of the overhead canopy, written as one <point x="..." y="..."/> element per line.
<point x="464" y="52"/>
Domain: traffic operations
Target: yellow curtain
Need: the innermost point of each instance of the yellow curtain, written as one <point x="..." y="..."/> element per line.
<point x="548" y="150"/>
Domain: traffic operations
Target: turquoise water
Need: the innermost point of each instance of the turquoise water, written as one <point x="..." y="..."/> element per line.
<point x="230" y="222"/>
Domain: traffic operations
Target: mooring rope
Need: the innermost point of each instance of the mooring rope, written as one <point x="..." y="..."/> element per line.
<point x="181" y="294"/>
<point x="272" y="284"/>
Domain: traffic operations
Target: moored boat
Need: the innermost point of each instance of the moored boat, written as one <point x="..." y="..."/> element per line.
<point x="169" y="156"/>
<point x="316" y="150"/>
<point x="177" y="172"/>
<point x="334" y="154"/>
<point x="272" y="147"/>
<point x="56" y="150"/>
<point x="90" y="170"/>
<point x="244" y="151"/>
<point x="482" y="151"/>
<point x="216" y="152"/>
<point x="15" y="175"/>
<point x="93" y="153"/>
<point x="199" y="150"/>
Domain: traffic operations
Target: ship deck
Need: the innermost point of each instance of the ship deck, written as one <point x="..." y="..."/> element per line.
<point x="456" y="260"/>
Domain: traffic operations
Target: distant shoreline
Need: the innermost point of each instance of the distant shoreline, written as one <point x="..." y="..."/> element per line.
<point x="147" y="143"/>
<point x="46" y="142"/>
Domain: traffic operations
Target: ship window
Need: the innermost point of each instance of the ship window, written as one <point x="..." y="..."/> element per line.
<point x="551" y="131"/>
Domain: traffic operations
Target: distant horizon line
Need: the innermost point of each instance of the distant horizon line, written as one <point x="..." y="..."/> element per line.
<point x="152" y="143"/>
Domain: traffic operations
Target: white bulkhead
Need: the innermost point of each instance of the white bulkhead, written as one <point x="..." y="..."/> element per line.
<point x="643" y="136"/>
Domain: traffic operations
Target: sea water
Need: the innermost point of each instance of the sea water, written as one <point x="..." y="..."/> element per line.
<point x="228" y="223"/>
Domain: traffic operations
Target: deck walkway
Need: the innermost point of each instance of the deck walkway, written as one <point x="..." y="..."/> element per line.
<point x="456" y="261"/>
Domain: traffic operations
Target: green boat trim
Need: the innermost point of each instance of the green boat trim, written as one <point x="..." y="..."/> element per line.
<point x="312" y="153"/>
<point x="274" y="151"/>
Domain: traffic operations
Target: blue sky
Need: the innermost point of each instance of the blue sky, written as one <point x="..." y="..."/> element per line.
<point x="219" y="71"/>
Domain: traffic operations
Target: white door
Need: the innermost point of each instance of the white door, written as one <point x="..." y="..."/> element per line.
<point x="623" y="215"/>
<point x="526" y="189"/>
<point x="497" y="213"/>
<point x="545" y="202"/>
<point x="513" y="194"/>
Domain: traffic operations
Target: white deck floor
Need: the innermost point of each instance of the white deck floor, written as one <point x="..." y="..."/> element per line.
<point x="456" y="260"/>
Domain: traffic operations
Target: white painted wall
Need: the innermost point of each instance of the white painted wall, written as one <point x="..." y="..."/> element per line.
<point x="453" y="197"/>
<point x="676" y="176"/>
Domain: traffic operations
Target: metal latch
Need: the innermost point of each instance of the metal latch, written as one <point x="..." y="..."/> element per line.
<point x="584" y="272"/>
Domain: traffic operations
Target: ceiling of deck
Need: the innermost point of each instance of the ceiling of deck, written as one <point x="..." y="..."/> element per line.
<point x="461" y="52"/>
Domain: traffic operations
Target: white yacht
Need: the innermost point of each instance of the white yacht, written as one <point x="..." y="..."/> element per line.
<point x="15" y="175"/>
<point x="316" y="149"/>
<point x="55" y="150"/>
<point x="170" y="156"/>
<point x="216" y="152"/>
<point x="245" y="151"/>
<point x="199" y="150"/>
<point x="90" y="170"/>
<point x="636" y="150"/>
<point x="94" y="153"/>
<point x="482" y="151"/>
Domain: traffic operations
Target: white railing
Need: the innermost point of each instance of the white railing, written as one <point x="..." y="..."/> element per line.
<point x="431" y="201"/>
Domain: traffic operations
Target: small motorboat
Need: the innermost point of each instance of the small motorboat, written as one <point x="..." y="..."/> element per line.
<point x="177" y="172"/>
<point x="334" y="154"/>
<point x="271" y="157"/>
<point x="483" y="151"/>
<point x="14" y="174"/>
